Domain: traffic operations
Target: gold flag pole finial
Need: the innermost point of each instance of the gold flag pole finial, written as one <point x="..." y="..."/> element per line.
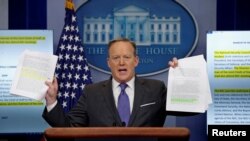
<point x="69" y="4"/>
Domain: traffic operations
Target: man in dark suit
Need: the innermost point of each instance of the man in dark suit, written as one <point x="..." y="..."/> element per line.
<point x="100" y="106"/>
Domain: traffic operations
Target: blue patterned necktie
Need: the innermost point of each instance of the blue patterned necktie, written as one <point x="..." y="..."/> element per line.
<point x="123" y="104"/>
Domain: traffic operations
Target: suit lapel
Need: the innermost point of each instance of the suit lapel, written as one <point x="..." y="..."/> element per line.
<point x="109" y="99"/>
<point x="138" y="99"/>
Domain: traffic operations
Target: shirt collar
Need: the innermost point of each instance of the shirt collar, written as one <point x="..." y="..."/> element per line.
<point x="130" y="83"/>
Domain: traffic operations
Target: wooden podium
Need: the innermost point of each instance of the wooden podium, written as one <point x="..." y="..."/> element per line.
<point x="161" y="133"/>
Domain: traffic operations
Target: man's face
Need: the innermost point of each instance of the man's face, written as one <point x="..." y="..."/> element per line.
<point x="122" y="61"/>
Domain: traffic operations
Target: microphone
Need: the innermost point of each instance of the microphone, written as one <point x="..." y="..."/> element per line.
<point x="123" y="124"/>
<point x="119" y="125"/>
<point x="114" y="124"/>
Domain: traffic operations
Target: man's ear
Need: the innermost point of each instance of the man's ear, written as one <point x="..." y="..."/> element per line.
<point x="108" y="62"/>
<point x="136" y="61"/>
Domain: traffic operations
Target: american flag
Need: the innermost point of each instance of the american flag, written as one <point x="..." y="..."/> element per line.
<point x="72" y="70"/>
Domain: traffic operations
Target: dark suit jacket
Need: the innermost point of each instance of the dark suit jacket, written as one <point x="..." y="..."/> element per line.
<point x="96" y="107"/>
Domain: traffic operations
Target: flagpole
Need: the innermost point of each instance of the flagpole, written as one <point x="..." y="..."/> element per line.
<point x="69" y="4"/>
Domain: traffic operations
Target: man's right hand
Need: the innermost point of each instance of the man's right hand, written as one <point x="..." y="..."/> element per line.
<point x="173" y="63"/>
<point x="51" y="94"/>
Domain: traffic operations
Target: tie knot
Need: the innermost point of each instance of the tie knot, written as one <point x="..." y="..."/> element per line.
<point x="123" y="86"/>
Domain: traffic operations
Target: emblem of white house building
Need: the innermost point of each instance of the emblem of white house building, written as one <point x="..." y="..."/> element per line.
<point x="162" y="29"/>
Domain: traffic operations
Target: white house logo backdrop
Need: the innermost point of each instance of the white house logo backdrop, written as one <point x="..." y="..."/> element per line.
<point x="162" y="29"/>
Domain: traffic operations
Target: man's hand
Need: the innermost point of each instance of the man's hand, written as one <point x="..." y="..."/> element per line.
<point x="51" y="95"/>
<point x="173" y="63"/>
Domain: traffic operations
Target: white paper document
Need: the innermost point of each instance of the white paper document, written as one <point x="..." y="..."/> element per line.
<point x="188" y="86"/>
<point x="33" y="69"/>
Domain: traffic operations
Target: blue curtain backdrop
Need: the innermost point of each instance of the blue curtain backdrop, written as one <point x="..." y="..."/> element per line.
<point x="31" y="14"/>
<point x="233" y="15"/>
<point x="27" y="14"/>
